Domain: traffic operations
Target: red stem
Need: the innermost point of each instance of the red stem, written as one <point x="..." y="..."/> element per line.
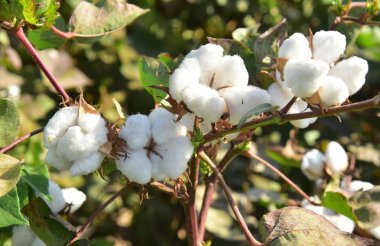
<point x="36" y="57"/>
<point x="65" y="35"/>
<point x="19" y="140"/>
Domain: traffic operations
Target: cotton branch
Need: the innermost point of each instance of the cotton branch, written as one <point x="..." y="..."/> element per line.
<point x="227" y="192"/>
<point x="19" y="140"/>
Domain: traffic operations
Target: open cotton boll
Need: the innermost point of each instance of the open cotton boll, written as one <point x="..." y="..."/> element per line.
<point x="59" y="162"/>
<point x="303" y="123"/>
<point x="22" y="236"/>
<point x="296" y="46"/>
<point x="136" y="131"/>
<point x="303" y="76"/>
<point x="213" y="108"/>
<point x="280" y="95"/>
<point x="156" y="161"/>
<point x="58" y="124"/>
<point x="332" y="92"/>
<point x="336" y="157"/>
<point x="91" y="122"/>
<point x="175" y="155"/>
<point x="58" y="202"/>
<point x="240" y="100"/>
<point x="313" y="164"/>
<point x="87" y="164"/>
<point x="179" y="80"/>
<point x="74" y="197"/>
<point x="352" y="71"/>
<point x="357" y="185"/>
<point x="188" y="121"/>
<point x="136" y="166"/>
<point x="191" y="65"/>
<point x="328" y="46"/>
<point x="230" y="71"/>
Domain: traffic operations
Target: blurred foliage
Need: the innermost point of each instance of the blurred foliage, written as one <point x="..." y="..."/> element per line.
<point x="109" y="69"/>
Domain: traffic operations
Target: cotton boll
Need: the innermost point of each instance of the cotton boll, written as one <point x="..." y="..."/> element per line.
<point x="58" y="124"/>
<point x="313" y="164"/>
<point x="303" y="123"/>
<point x="179" y="80"/>
<point x="87" y="164"/>
<point x="175" y="155"/>
<point x="240" y="100"/>
<point x="352" y="71"/>
<point x="191" y="65"/>
<point x="91" y="122"/>
<point x="156" y="161"/>
<point x="296" y="46"/>
<point x="59" y="162"/>
<point x="280" y="94"/>
<point x="328" y="46"/>
<point x="22" y="236"/>
<point x="336" y="157"/>
<point x="230" y="71"/>
<point x="136" y="166"/>
<point x="74" y="197"/>
<point x="136" y="131"/>
<point x="58" y="202"/>
<point x="188" y="121"/>
<point x="213" y="108"/>
<point x="357" y="185"/>
<point x="303" y="76"/>
<point x="375" y="232"/>
<point x="332" y="92"/>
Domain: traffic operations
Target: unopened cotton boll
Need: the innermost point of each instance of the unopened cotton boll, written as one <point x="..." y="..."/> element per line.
<point x="332" y="92"/>
<point x="74" y="198"/>
<point x="136" y="166"/>
<point x="357" y="185"/>
<point x="22" y="236"/>
<point x="230" y="71"/>
<point x="175" y="155"/>
<point x="87" y="164"/>
<point x="313" y="164"/>
<point x="352" y="71"/>
<point x="58" y="202"/>
<point x="328" y="46"/>
<point x="296" y="46"/>
<point x="336" y="157"/>
<point x="136" y="131"/>
<point x="240" y="100"/>
<point x="303" y="76"/>
<point x="179" y="80"/>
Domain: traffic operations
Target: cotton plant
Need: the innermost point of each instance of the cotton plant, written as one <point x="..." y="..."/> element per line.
<point x="74" y="137"/>
<point x="156" y="147"/>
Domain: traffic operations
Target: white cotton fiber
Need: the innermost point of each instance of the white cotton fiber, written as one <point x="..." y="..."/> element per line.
<point x="303" y="76"/>
<point x="280" y="94"/>
<point x="296" y="46"/>
<point x="188" y="121"/>
<point x="332" y="92"/>
<point x="59" y="162"/>
<point x="136" y="131"/>
<point x="179" y="80"/>
<point x="58" y="124"/>
<point x="58" y="202"/>
<point x="352" y="71"/>
<point x="230" y="71"/>
<point x="22" y="236"/>
<point x="375" y="232"/>
<point x="88" y="164"/>
<point x="191" y="65"/>
<point x="156" y="161"/>
<point x="240" y="100"/>
<point x="74" y="198"/>
<point x="136" y="167"/>
<point x="303" y="123"/>
<point x="313" y="164"/>
<point x="175" y="155"/>
<point x="336" y="157"/>
<point x="91" y="122"/>
<point x="357" y="185"/>
<point x="328" y="46"/>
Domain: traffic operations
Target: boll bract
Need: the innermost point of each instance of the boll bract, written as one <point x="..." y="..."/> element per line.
<point x="313" y="164"/>
<point x="73" y="140"/>
<point x="211" y="85"/>
<point x="336" y="157"/>
<point x="162" y="150"/>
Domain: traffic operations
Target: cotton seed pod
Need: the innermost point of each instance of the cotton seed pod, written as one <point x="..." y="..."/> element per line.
<point x="332" y="92"/>
<point x="336" y="157"/>
<point x="58" y="202"/>
<point x="179" y="80"/>
<point x="357" y="185"/>
<point x="136" y="166"/>
<point x="136" y="131"/>
<point x="240" y="100"/>
<point x="328" y="46"/>
<point x="74" y="197"/>
<point x="296" y="46"/>
<point x="303" y="76"/>
<point x="352" y="71"/>
<point x="88" y="164"/>
<point x="313" y="164"/>
<point x="230" y="71"/>
<point x="22" y="236"/>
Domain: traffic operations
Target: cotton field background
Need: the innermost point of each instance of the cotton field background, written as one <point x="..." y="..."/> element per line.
<point x="224" y="63"/>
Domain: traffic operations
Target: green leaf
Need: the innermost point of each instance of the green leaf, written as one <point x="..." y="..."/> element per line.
<point x="265" y="107"/>
<point x="10" y="210"/>
<point x="15" y="11"/>
<point x="49" y="12"/>
<point x="37" y="178"/>
<point x="45" y="38"/>
<point x="297" y="226"/>
<point x="91" y="21"/>
<point x="153" y="72"/>
<point x="9" y="173"/>
<point x="9" y="121"/>
<point x="339" y="203"/>
<point x="52" y="230"/>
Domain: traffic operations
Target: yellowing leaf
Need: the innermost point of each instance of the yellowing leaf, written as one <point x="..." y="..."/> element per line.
<point x="9" y="173"/>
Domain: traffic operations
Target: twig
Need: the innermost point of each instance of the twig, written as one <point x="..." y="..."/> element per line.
<point x="251" y="155"/>
<point x="281" y="119"/>
<point x="19" y="140"/>
<point x="286" y="108"/>
<point x="340" y="19"/>
<point x="65" y="35"/>
<point x="230" y="199"/>
<point x="36" y="57"/>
